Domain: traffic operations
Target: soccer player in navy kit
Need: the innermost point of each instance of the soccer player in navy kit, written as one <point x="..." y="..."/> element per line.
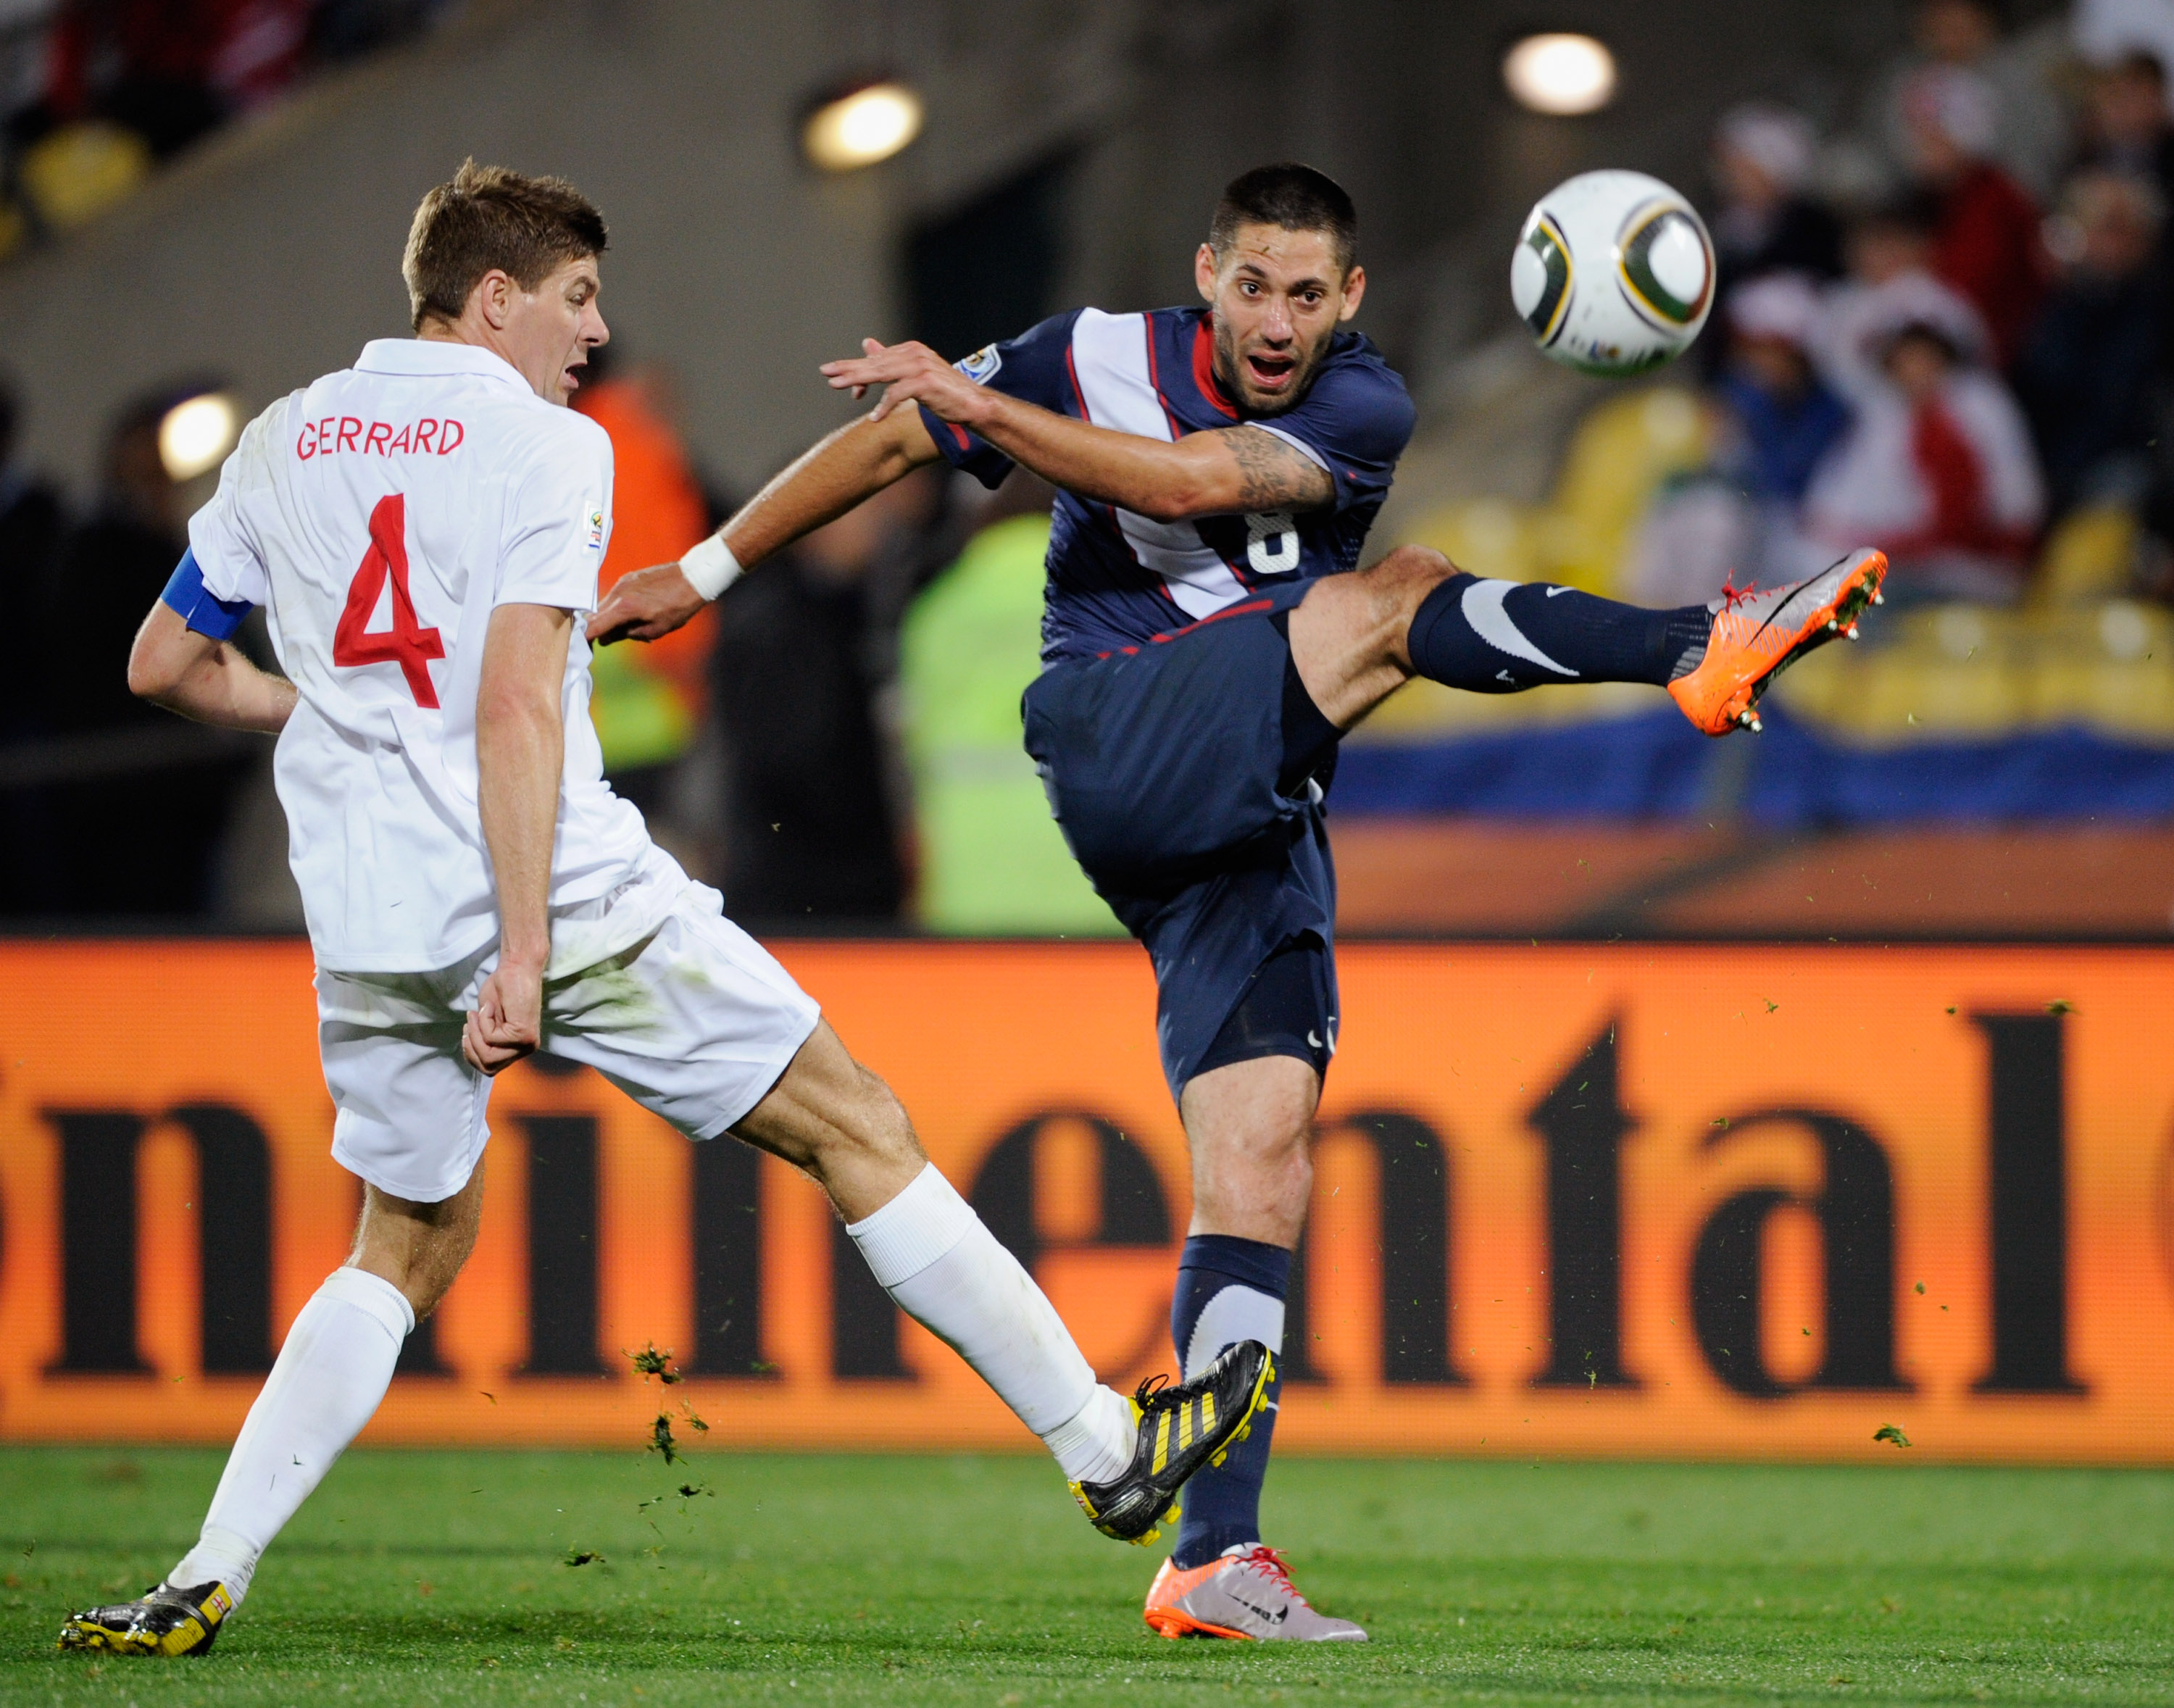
<point x="1206" y="638"/>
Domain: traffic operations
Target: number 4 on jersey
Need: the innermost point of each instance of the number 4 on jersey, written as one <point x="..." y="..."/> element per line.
<point x="405" y="643"/>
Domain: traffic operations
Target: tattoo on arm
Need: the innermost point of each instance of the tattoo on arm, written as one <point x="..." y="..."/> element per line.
<point x="1275" y="474"/>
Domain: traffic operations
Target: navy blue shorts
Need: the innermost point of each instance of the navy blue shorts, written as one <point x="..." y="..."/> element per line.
<point x="1169" y="769"/>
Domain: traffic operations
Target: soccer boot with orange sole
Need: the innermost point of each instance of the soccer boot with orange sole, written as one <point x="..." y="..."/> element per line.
<point x="166" y="1622"/>
<point x="1245" y="1593"/>
<point x="1182" y="1428"/>
<point x="1755" y="637"/>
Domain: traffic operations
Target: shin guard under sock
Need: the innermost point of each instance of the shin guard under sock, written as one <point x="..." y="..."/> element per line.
<point x="929" y="1250"/>
<point x="1502" y="637"/>
<point x="1229" y="1289"/>
<point x="329" y="1378"/>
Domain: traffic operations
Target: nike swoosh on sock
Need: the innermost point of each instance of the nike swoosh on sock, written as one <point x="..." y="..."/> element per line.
<point x="1482" y="609"/>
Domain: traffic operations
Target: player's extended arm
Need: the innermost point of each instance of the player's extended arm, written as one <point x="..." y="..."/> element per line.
<point x="854" y="464"/>
<point x="210" y="681"/>
<point x="1212" y="473"/>
<point x="520" y="746"/>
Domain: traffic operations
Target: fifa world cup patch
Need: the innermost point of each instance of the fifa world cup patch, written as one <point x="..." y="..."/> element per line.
<point x="980" y="367"/>
<point x="596" y="529"/>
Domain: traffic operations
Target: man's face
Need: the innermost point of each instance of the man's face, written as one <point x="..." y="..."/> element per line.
<point x="1743" y="181"/>
<point x="1775" y="365"/>
<point x="547" y="332"/>
<point x="2117" y="235"/>
<point x="1960" y="32"/>
<point x="1879" y="251"/>
<point x="1918" y="365"/>
<point x="1277" y="298"/>
<point x="2128" y="108"/>
<point x="1935" y="155"/>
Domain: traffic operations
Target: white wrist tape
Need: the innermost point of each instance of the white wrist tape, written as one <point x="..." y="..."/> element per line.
<point x="711" y="567"/>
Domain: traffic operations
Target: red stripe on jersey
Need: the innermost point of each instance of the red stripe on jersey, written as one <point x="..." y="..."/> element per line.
<point x="1204" y="370"/>
<point x="1245" y="610"/>
<point x="1154" y="381"/>
<point x="1072" y="374"/>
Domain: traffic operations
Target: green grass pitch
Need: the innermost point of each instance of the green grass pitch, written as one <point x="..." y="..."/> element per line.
<point x="438" y="1577"/>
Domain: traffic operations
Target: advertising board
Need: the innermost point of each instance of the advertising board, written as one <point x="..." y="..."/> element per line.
<point x="1633" y="1200"/>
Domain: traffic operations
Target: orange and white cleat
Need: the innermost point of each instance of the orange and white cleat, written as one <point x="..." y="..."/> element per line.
<point x="1755" y="637"/>
<point x="1245" y="1593"/>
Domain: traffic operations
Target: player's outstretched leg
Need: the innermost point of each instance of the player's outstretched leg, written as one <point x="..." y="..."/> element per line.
<point x="1126" y="1459"/>
<point x="1357" y="638"/>
<point x="330" y="1377"/>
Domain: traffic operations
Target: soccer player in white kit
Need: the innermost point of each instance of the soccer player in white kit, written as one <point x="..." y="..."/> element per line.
<point x="423" y="531"/>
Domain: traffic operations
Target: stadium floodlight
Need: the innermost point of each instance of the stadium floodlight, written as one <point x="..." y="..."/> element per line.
<point x="196" y="434"/>
<point x="860" y="125"/>
<point x="1560" y="74"/>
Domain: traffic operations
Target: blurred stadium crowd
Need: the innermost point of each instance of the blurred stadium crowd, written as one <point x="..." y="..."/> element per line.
<point x="1951" y="341"/>
<point x="95" y="94"/>
<point x="1942" y="328"/>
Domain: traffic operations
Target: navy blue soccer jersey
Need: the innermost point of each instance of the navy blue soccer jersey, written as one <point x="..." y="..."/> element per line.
<point x="1116" y="579"/>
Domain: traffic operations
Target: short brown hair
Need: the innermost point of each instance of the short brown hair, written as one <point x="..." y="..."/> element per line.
<point x="490" y="217"/>
<point x="1296" y="197"/>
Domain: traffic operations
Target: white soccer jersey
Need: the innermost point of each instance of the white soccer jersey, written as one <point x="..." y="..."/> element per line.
<point x="380" y="515"/>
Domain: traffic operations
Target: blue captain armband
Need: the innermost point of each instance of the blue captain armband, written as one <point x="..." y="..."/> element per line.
<point x="185" y="592"/>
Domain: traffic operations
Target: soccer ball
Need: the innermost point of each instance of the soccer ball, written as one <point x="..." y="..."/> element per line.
<point x="1613" y="273"/>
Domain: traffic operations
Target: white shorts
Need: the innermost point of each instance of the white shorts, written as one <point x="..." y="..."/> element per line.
<point x="695" y="1022"/>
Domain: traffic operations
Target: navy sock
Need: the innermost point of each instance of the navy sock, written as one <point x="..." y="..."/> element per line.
<point x="1229" y="1289"/>
<point x="1502" y="637"/>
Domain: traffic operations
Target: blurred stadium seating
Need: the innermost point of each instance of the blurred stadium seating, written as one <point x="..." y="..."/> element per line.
<point x="1981" y="770"/>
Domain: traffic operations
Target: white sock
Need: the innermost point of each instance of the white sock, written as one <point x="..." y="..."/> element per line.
<point x="1097" y="1444"/>
<point x="329" y="1378"/>
<point x="929" y="1250"/>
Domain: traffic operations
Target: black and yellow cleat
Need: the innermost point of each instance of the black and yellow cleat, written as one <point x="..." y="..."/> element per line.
<point x="166" y="1622"/>
<point x="1181" y="1429"/>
